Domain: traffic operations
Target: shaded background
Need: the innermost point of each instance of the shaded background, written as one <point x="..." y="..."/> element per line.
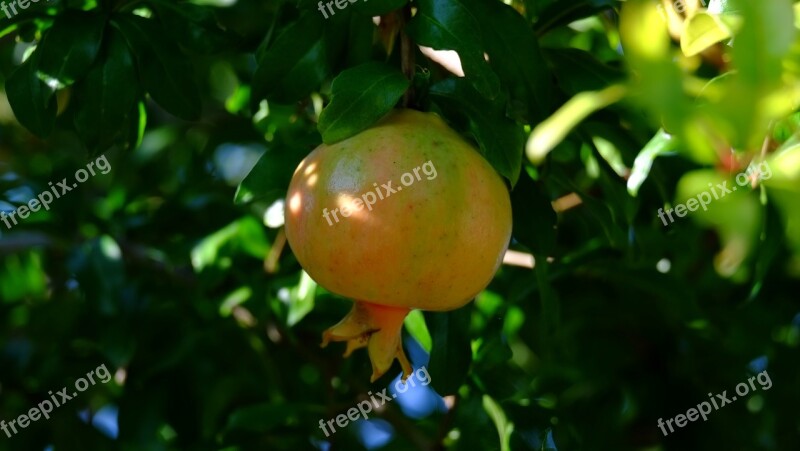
<point x="174" y="272"/>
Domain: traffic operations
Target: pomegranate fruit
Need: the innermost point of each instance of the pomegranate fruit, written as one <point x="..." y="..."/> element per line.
<point x="404" y="215"/>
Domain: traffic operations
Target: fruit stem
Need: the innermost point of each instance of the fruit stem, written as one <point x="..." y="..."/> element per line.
<point x="376" y="327"/>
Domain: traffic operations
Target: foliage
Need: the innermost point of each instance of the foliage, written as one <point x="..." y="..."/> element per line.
<point x="174" y="271"/>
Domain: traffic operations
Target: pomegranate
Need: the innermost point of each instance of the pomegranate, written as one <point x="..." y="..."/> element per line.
<point x="404" y="215"/>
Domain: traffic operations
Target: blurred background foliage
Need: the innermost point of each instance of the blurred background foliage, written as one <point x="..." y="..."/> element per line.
<point x="173" y="268"/>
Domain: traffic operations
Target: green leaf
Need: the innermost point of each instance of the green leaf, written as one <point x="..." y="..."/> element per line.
<point x="507" y="35"/>
<point x="71" y="45"/>
<point x="494" y="352"/>
<point x="578" y="70"/>
<point x="301" y="299"/>
<point x="477" y="429"/>
<point x="736" y="215"/>
<point x="504" y="427"/>
<point x="785" y="201"/>
<point x="31" y="99"/>
<point x="563" y="12"/>
<point x="416" y="327"/>
<point x="771" y="240"/>
<point x="450" y="26"/>
<point x="194" y="27"/>
<point x="661" y="144"/>
<point x="163" y="70"/>
<point x="17" y="22"/>
<point x="658" y="85"/>
<point x="701" y="31"/>
<point x="244" y="235"/>
<point x="295" y="64"/>
<point x="360" y="33"/>
<point x="135" y="128"/>
<point x="106" y="98"/>
<point x="766" y="37"/>
<point x="269" y="179"/>
<point x="595" y="212"/>
<point x="22" y="277"/>
<point x="494" y="371"/>
<point x="500" y="139"/>
<point x="234" y="299"/>
<point x="759" y="51"/>
<point x="451" y="355"/>
<point x="785" y="164"/>
<point x="534" y="218"/>
<point x="264" y="417"/>
<point x="554" y="129"/>
<point x="360" y="96"/>
<point x="722" y="7"/>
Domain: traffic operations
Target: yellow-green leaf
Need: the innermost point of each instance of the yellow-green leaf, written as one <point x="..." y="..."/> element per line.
<point x="701" y="32"/>
<point x="554" y="129"/>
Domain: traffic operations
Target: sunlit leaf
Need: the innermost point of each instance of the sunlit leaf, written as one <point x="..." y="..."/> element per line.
<point x="700" y="32"/>
<point x="554" y="129"/>
<point x="662" y="143"/>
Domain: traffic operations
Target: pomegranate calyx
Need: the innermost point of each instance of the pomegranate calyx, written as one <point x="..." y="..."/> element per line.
<point x="376" y="327"/>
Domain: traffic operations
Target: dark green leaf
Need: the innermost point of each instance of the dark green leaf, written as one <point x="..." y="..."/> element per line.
<point x="493" y="353"/>
<point x="360" y="33"/>
<point x="295" y="64"/>
<point x="500" y="139"/>
<point x="269" y="178"/>
<point x="534" y="218"/>
<point x="17" y="22"/>
<point x="578" y="70"/>
<point x="360" y="96"/>
<point x="31" y="99"/>
<point x="769" y="245"/>
<point x="596" y="212"/>
<point x="263" y="417"/>
<point x="194" y="27"/>
<point x="70" y="47"/>
<point x="135" y="126"/>
<point x="564" y="12"/>
<point x="164" y="71"/>
<point x="332" y="10"/>
<point x="451" y="355"/>
<point x="508" y="36"/>
<point x="107" y="96"/>
<point x="450" y="26"/>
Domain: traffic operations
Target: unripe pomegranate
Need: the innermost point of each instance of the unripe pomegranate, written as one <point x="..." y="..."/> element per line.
<point x="405" y="215"/>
